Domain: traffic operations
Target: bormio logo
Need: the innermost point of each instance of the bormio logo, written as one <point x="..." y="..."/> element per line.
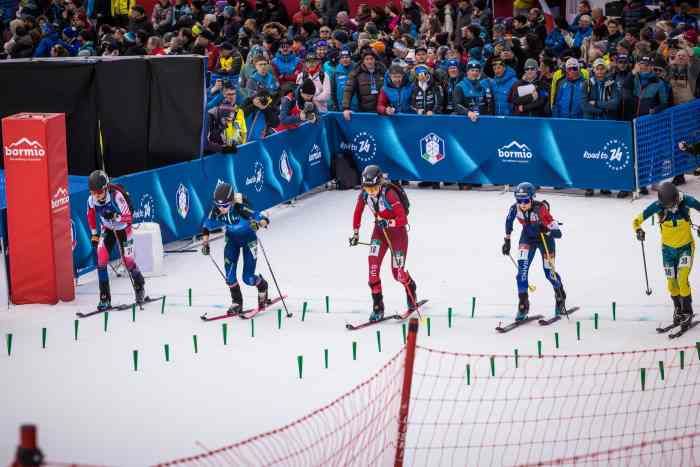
<point x="25" y="149"/>
<point x="515" y="152"/>
<point x="60" y="199"/>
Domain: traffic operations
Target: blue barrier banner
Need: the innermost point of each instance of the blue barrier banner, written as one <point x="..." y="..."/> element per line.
<point x="658" y="135"/>
<point x="494" y="150"/>
<point x="178" y="196"/>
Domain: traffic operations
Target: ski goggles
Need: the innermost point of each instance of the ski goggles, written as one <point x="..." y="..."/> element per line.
<point x="523" y="200"/>
<point x="224" y="204"/>
<point x="371" y="189"/>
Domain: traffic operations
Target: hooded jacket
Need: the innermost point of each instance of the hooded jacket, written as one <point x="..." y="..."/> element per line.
<point x="473" y="96"/>
<point x="500" y="90"/>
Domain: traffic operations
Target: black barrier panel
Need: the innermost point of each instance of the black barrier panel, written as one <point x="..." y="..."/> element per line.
<point x="176" y="109"/>
<point x="56" y="86"/>
<point x="122" y="91"/>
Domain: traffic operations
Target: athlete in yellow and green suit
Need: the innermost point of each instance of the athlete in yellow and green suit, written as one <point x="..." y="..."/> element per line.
<point x="677" y="245"/>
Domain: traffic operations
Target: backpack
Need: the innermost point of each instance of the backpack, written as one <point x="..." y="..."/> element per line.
<point x="124" y="192"/>
<point x="401" y="193"/>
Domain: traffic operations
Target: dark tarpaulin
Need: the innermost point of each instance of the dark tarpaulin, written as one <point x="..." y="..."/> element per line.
<point x="56" y="86"/>
<point x="176" y="109"/>
<point x="122" y="92"/>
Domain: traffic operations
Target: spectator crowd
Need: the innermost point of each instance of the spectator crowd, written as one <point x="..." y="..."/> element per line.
<point x="269" y="70"/>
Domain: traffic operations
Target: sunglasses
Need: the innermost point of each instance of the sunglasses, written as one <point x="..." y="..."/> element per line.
<point x="530" y="68"/>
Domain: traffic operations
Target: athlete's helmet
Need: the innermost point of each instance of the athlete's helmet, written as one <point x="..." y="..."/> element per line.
<point x="525" y="191"/>
<point x="223" y="194"/>
<point x="372" y="175"/>
<point x="669" y="197"/>
<point x="98" y="181"/>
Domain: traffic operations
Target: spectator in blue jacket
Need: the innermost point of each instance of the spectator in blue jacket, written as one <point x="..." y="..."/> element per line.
<point x="602" y="100"/>
<point x="286" y="65"/>
<point x="571" y="93"/>
<point x="48" y="40"/>
<point x="395" y="95"/>
<point x="503" y="80"/>
<point x="339" y="78"/>
<point x="648" y="90"/>
<point x="261" y="78"/>
<point x="472" y="96"/>
<point x="556" y="40"/>
<point x="683" y="17"/>
<point x="584" y="30"/>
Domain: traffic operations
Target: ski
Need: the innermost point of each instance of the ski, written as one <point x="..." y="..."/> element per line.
<point x="122" y="307"/>
<point x="683" y="330"/>
<point x="251" y="313"/>
<point x="664" y="329"/>
<point x="554" y="319"/>
<point x="398" y="316"/>
<point x="515" y="324"/>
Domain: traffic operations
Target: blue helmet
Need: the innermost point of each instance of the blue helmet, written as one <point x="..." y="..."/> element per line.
<point x="525" y="191"/>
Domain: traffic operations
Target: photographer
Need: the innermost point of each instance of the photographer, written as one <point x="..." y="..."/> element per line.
<point x="260" y="115"/>
<point x="297" y="107"/>
<point x="227" y="125"/>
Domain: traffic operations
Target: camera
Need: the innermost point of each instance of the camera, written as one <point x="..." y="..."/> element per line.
<point x="310" y="113"/>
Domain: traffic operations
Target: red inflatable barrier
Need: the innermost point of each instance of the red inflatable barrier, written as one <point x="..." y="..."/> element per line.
<point x="38" y="208"/>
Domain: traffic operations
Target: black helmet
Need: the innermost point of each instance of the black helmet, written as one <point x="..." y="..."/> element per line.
<point x="223" y="194"/>
<point x="372" y="175"/>
<point x="98" y="181"/>
<point x="669" y="196"/>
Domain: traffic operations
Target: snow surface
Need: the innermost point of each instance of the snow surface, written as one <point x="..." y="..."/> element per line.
<point x="91" y="407"/>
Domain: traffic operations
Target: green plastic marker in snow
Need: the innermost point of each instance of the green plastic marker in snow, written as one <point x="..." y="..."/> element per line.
<point x="43" y="338"/>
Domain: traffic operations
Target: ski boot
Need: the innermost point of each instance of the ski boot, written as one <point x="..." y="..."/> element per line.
<point x="411" y="298"/>
<point x="560" y="301"/>
<point x="236" y="300"/>
<point x="139" y="290"/>
<point x="377" y="307"/>
<point x="523" y="306"/>
<point x="263" y="300"/>
<point x="105" y="297"/>
<point x="686" y="313"/>
<point x="677" y="313"/>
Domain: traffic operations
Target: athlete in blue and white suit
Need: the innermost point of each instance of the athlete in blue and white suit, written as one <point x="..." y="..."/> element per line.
<point x="240" y="224"/>
<point x="537" y="224"/>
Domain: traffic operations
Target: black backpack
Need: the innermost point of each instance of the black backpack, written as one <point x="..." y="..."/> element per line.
<point x="403" y="197"/>
<point x="125" y="193"/>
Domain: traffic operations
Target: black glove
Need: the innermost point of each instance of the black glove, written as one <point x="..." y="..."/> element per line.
<point x="640" y="235"/>
<point x="355" y="239"/>
<point x="382" y="223"/>
<point x="108" y="214"/>
<point x="95" y="239"/>
<point x="205" y="249"/>
<point x="506" y="246"/>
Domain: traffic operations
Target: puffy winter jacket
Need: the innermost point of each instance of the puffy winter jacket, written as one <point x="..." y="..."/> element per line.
<point x="555" y="42"/>
<point x="500" y="90"/>
<point x="650" y="93"/>
<point x="366" y="86"/>
<point x="427" y="98"/>
<point x="397" y="97"/>
<point x="569" y="100"/>
<point x="473" y="96"/>
<point x="286" y="67"/>
<point x="606" y="97"/>
<point x="338" y="80"/>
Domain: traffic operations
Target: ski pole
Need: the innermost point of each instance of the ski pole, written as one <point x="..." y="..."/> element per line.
<point x="530" y="287"/>
<point x="393" y="257"/>
<point x="274" y="279"/>
<point x="646" y="276"/>
<point x="217" y="267"/>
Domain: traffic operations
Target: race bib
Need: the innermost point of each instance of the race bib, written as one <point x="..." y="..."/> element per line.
<point x="684" y="261"/>
<point x="253" y="247"/>
<point x="374" y="248"/>
<point x="670" y="272"/>
<point x="398" y="260"/>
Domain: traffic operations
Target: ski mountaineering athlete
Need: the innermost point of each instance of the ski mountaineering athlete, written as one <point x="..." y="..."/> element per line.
<point x="677" y="245"/>
<point x="384" y="200"/>
<point x="231" y="211"/>
<point x="538" y="227"/>
<point x="109" y="203"/>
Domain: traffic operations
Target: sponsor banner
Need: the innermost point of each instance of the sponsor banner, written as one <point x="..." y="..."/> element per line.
<point x="494" y="150"/>
<point x="178" y="196"/>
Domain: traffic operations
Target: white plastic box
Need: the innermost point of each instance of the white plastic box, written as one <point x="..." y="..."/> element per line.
<point x="148" y="248"/>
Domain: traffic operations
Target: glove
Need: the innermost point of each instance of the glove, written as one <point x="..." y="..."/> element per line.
<point x="108" y="214"/>
<point x="506" y="246"/>
<point x="355" y="239"/>
<point x="640" y="235"/>
<point x="382" y="223"/>
<point x="95" y="239"/>
<point x="255" y="225"/>
<point x="544" y="230"/>
<point x="205" y="249"/>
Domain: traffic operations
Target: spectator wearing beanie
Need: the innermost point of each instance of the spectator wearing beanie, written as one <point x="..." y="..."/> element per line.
<point x="286" y="65"/>
<point x="570" y="95"/>
<point x="500" y="85"/>
<point x="602" y="101"/>
<point x="292" y="104"/>
<point x="472" y="95"/>
<point x="449" y="80"/>
<point x="313" y="72"/>
<point x="426" y="97"/>
<point x="529" y="95"/>
<point x="395" y="95"/>
<point x="648" y="90"/>
<point x="365" y="82"/>
<point x="338" y="79"/>
<point x="70" y="41"/>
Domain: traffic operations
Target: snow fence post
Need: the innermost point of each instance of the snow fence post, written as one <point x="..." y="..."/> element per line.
<point x="106" y="319"/>
<point x="556" y="340"/>
<point x="539" y="349"/>
<point x="133" y="312"/>
<point x="303" y="311"/>
<point x="449" y="317"/>
<point x="166" y="347"/>
<point x="406" y="391"/>
<point x="682" y="359"/>
<point x="9" y="344"/>
<point x="516" y="358"/>
<point x="328" y="304"/>
<point x="354" y="350"/>
<point x="473" y="305"/>
<point x="300" y="364"/>
<point x="428" y="319"/>
<point x="136" y="360"/>
<point x="162" y="306"/>
<point x="75" y="329"/>
<point x="279" y="318"/>
<point x="614" y="305"/>
<point x="643" y="374"/>
<point x="661" y="369"/>
<point x="189" y="296"/>
<point x="379" y="341"/>
<point x="224" y="332"/>
<point x="578" y="330"/>
<point x="595" y="321"/>
<point x="43" y="338"/>
<point x="325" y="358"/>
